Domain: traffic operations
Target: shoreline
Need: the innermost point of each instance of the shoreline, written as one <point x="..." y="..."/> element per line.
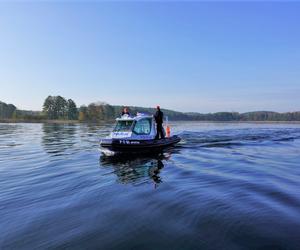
<point x="262" y="122"/>
<point x="37" y="121"/>
<point x="99" y="122"/>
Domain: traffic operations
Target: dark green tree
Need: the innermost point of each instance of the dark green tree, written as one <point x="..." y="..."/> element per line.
<point x="72" y="110"/>
<point x="49" y="107"/>
<point x="55" y="107"/>
<point x="61" y="107"/>
<point x="7" y="110"/>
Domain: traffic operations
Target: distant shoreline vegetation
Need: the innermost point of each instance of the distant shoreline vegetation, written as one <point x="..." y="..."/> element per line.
<point x="60" y="109"/>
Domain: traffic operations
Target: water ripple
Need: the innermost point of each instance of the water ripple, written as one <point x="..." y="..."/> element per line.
<point x="225" y="186"/>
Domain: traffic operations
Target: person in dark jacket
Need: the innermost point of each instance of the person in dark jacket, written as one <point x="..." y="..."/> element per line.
<point x="125" y="111"/>
<point x="159" y="117"/>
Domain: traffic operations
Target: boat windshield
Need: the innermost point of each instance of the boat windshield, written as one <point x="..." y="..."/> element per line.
<point x="142" y="127"/>
<point x="123" y="126"/>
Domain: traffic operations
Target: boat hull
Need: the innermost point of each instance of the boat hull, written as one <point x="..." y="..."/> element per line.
<point x="128" y="145"/>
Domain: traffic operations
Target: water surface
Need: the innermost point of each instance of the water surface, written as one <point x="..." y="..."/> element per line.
<point x="225" y="186"/>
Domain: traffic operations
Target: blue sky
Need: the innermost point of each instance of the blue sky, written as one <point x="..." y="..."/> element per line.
<point x="187" y="56"/>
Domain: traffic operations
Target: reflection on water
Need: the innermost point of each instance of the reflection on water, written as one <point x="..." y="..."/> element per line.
<point x="58" y="138"/>
<point x="136" y="169"/>
<point x="9" y="129"/>
<point x="9" y="134"/>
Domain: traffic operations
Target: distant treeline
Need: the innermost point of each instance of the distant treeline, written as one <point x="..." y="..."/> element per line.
<point x="249" y="116"/>
<point x="7" y="110"/>
<point x="60" y="108"/>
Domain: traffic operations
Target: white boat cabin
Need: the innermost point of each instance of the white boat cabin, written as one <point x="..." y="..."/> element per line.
<point x="139" y="127"/>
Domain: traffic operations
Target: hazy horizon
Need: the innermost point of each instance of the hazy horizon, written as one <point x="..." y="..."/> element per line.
<point x="191" y="57"/>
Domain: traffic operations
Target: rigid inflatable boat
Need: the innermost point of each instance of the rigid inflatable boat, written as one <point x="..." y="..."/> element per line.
<point x="135" y="135"/>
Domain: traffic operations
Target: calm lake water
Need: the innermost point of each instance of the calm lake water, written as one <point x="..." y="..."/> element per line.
<point x="225" y="186"/>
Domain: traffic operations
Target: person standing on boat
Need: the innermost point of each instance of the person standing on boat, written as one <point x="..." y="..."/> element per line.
<point x="159" y="117"/>
<point x="125" y="111"/>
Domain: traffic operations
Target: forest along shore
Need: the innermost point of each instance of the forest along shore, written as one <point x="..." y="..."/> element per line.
<point x="37" y="121"/>
<point x="59" y="109"/>
<point x="112" y="121"/>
